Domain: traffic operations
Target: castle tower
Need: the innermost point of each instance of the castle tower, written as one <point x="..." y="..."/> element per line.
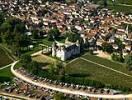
<point x="78" y="45"/>
<point x="54" y="49"/>
<point x="63" y="57"/>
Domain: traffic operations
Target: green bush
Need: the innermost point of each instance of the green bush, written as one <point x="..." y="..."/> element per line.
<point x="117" y="57"/>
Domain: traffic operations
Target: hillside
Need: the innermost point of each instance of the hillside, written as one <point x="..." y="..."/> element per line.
<point x="128" y="2"/>
<point x="4" y="59"/>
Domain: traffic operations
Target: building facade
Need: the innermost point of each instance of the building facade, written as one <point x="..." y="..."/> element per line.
<point x="65" y="50"/>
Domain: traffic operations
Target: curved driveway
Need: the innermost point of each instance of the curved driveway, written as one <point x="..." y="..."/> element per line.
<point x="68" y="91"/>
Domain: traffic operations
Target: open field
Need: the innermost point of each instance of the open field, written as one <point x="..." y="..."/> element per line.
<point x="80" y="68"/>
<point x="121" y="8"/>
<point x="95" y="72"/>
<point x="128" y="2"/>
<point x="118" y="6"/>
<point x="5" y="75"/>
<point x="4" y="59"/>
<point x="108" y="63"/>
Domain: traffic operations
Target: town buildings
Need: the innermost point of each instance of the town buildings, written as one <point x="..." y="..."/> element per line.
<point x="90" y="22"/>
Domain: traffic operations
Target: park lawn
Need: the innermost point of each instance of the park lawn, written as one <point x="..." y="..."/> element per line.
<point x="115" y="65"/>
<point x="97" y="73"/>
<point x="4" y="59"/>
<point x="6" y="75"/>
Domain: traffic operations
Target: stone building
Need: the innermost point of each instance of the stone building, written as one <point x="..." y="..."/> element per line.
<point x="65" y="50"/>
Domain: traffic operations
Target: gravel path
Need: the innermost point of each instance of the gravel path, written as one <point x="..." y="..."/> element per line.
<point x="66" y="90"/>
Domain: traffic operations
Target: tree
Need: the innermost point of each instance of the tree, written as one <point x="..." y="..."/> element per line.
<point x="57" y="68"/>
<point x="19" y="27"/>
<point x="34" y="68"/>
<point x="105" y="3"/>
<point x="35" y="34"/>
<point x="51" y="69"/>
<point x="120" y="44"/>
<point x="1" y="18"/>
<point x="7" y="37"/>
<point x="117" y="57"/>
<point x="6" y="27"/>
<point x="128" y="61"/>
<point x="25" y="60"/>
<point x="24" y="41"/>
<point x="0" y="38"/>
<point x="53" y="34"/>
<point x="72" y="37"/>
<point x="107" y="47"/>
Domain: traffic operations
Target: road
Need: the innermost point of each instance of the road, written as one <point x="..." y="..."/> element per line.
<point x="65" y="90"/>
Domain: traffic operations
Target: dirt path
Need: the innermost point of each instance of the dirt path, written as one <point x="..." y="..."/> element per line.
<point x="1" y="68"/>
<point x="66" y="90"/>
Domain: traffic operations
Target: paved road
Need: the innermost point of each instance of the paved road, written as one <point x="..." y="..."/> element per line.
<point x="107" y="67"/>
<point x="65" y="90"/>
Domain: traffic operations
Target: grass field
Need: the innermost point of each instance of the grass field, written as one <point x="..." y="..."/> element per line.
<point x="128" y="2"/>
<point x="4" y="59"/>
<point x="119" y="5"/>
<point x="5" y="75"/>
<point x="108" y="63"/>
<point x="121" y="8"/>
<point x="98" y="73"/>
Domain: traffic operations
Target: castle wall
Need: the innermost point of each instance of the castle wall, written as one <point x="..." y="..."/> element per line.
<point x="64" y="54"/>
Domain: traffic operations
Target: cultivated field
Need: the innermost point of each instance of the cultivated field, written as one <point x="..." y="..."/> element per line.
<point x="4" y="59"/>
<point x="128" y="2"/>
<point x="96" y="72"/>
<point x="118" y="6"/>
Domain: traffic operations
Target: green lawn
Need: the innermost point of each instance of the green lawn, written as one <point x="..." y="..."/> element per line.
<point x="98" y="73"/>
<point x="4" y="59"/>
<point x="5" y="75"/>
